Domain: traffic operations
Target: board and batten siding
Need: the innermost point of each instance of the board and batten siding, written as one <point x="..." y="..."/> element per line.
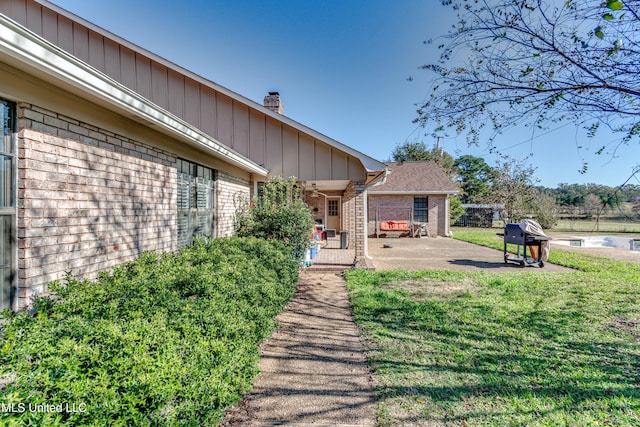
<point x="236" y="122"/>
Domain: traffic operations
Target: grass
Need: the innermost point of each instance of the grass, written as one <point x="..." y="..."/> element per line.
<point x="582" y="262"/>
<point x="587" y="226"/>
<point x="526" y="348"/>
<point x="603" y="226"/>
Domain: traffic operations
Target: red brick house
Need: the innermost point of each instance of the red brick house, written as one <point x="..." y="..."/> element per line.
<point x="110" y="150"/>
<point x="413" y="198"/>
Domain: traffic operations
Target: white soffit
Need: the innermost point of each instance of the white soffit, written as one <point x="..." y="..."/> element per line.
<point x="327" y="185"/>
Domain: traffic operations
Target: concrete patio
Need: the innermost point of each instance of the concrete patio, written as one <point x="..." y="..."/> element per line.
<point x="437" y="253"/>
<point x="441" y="253"/>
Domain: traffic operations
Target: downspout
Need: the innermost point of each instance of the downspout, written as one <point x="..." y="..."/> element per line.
<point x="447" y="210"/>
<point x="379" y="180"/>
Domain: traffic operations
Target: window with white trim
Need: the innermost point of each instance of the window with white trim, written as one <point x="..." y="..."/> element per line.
<point x="420" y="209"/>
<point x="196" y="201"/>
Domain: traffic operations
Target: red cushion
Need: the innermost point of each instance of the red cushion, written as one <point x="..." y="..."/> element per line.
<point x="394" y="226"/>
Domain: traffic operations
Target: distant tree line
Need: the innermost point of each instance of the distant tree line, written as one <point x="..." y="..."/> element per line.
<point x="576" y="195"/>
<point x="512" y="183"/>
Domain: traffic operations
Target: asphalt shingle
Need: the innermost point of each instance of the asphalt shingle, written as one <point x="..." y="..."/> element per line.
<point x="416" y="177"/>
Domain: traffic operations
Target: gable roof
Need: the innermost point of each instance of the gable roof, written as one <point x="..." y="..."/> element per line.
<point x="372" y="167"/>
<point x="425" y="177"/>
<point x="31" y="53"/>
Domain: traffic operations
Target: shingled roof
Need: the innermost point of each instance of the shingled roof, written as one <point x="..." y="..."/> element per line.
<point x="425" y="177"/>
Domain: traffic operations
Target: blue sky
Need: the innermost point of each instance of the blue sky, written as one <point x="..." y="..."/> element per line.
<point x="342" y="68"/>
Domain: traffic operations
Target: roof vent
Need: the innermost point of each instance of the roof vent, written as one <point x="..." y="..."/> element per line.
<point x="274" y="103"/>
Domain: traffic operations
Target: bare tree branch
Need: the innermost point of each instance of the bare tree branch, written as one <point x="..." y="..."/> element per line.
<point x="537" y="62"/>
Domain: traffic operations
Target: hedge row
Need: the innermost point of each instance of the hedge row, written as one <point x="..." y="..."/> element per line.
<point x="166" y="340"/>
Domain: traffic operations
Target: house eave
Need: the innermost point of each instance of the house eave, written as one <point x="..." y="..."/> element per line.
<point x="370" y="164"/>
<point x="413" y="192"/>
<point x="29" y="52"/>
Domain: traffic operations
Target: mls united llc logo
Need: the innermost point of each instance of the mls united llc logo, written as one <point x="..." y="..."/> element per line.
<point x="19" y="408"/>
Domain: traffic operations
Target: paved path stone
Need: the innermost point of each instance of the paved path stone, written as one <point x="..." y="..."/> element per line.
<point x="313" y="368"/>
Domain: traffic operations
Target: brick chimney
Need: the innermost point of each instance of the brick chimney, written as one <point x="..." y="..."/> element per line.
<point x="274" y="103"/>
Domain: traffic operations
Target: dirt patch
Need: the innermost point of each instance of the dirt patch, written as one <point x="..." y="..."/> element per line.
<point x="6" y="380"/>
<point x="435" y="289"/>
<point x="631" y="326"/>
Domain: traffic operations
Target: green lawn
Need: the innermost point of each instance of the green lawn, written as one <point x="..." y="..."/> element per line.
<point x="586" y="226"/>
<point x="603" y="226"/>
<point x="511" y="349"/>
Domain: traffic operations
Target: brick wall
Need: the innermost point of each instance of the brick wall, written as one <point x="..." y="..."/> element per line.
<point x="349" y="214"/>
<point x="232" y="193"/>
<point x="438" y="211"/>
<point x="317" y="205"/>
<point x="88" y="199"/>
<point x="396" y="208"/>
<point x="354" y="209"/>
<point x="392" y="208"/>
<point x="360" y="219"/>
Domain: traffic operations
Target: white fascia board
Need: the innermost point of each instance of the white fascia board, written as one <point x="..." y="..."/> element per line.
<point x="374" y="192"/>
<point x="28" y="48"/>
<point x="370" y="164"/>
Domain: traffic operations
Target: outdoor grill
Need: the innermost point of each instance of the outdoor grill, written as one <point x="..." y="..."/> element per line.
<point x="515" y="234"/>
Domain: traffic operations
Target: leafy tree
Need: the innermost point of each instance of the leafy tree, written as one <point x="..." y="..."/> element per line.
<point x="278" y="213"/>
<point x="570" y="195"/>
<point x="442" y="158"/>
<point x="513" y="186"/>
<point x="631" y="193"/>
<point x="635" y="210"/>
<point x="418" y="151"/>
<point x="455" y="209"/>
<point x="575" y="194"/>
<point x="410" y="152"/>
<point x="545" y="210"/>
<point x="474" y="175"/>
<point x="536" y="62"/>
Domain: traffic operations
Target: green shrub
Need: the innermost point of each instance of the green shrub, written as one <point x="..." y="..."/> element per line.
<point x="164" y="340"/>
<point x="279" y="213"/>
<point x="455" y="209"/>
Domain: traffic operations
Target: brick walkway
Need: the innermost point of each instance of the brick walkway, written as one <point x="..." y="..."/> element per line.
<point x="313" y="369"/>
<point x="332" y="258"/>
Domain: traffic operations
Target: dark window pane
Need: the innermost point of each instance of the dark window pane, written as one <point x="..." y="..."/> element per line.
<point x="6" y="144"/>
<point x="6" y="241"/>
<point x="420" y="209"/>
<point x="6" y="182"/>
<point x="332" y="207"/>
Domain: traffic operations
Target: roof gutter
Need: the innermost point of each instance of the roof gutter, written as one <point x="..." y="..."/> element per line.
<point x="409" y="192"/>
<point x="33" y="53"/>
